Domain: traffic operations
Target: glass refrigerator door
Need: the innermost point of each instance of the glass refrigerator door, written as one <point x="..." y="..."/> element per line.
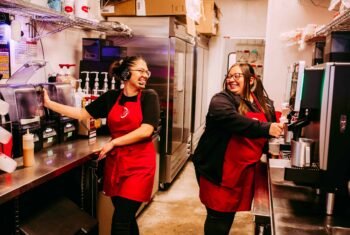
<point x="204" y="97"/>
<point x="178" y="91"/>
<point x="198" y="89"/>
<point x="188" y="92"/>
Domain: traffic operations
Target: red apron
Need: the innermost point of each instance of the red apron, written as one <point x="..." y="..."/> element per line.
<point x="129" y="170"/>
<point x="237" y="186"/>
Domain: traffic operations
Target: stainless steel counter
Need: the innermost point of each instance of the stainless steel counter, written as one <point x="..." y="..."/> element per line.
<point x="299" y="210"/>
<point x="261" y="203"/>
<point x="50" y="163"/>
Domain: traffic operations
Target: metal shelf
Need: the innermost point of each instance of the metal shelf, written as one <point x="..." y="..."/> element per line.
<point x="340" y="23"/>
<point x="61" y="20"/>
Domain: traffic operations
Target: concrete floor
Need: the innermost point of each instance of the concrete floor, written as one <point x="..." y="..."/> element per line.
<point x="179" y="210"/>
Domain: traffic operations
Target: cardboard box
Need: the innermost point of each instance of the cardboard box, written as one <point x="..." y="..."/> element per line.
<point x="190" y="26"/>
<point x="208" y="23"/>
<point x="160" y="7"/>
<point x="125" y="8"/>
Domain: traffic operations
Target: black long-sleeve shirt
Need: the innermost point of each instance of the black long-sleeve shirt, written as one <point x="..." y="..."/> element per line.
<point x="222" y="121"/>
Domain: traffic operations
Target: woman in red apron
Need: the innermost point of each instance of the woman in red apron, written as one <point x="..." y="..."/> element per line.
<point x="232" y="143"/>
<point x="132" y="115"/>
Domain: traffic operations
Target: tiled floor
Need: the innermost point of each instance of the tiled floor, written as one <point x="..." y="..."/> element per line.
<point x="178" y="210"/>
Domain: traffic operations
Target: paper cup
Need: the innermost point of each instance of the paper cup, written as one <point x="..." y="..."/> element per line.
<point x="274" y="147"/>
<point x="7" y="164"/>
<point x="4" y="107"/>
<point x="5" y="136"/>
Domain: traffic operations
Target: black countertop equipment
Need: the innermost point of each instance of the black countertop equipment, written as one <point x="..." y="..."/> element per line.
<point x="301" y="210"/>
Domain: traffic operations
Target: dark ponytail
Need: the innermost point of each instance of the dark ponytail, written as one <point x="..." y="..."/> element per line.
<point x="117" y="68"/>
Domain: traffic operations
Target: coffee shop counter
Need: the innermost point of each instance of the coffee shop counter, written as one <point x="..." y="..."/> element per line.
<point x="299" y="210"/>
<point x="49" y="164"/>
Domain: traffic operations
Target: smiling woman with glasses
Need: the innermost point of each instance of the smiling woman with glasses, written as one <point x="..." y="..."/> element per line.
<point x="234" y="76"/>
<point x="130" y="158"/>
<point x="238" y="123"/>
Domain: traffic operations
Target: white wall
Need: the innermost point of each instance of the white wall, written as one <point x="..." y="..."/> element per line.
<point x="239" y="19"/>
<point x="243" y="18"/>
<point x="283" y="16"/>
<point x="264" y="19"/>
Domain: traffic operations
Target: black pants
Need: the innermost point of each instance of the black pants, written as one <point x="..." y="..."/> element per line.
<point x="124" y="221"/>
<point x="218" y="223"/>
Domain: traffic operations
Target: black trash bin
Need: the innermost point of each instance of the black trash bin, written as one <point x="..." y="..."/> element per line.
<point x="61" y="217"/>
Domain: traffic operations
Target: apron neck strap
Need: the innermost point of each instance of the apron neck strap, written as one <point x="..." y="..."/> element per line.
<point x="257" y="102"/>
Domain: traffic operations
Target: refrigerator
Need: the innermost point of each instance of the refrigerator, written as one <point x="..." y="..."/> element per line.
<point x="200" y="86"/>
<point x="169" y="53"/>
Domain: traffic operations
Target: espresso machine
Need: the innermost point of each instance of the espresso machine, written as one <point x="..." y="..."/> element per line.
<point x="62" y="93"/>
<point x="25" y="113"/>
<point x="324" y="109"/>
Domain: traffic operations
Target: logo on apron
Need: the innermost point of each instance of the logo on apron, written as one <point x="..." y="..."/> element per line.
<point x="125" y="112"/>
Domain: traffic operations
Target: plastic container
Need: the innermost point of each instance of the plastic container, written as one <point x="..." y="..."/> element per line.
<point x="68" y="7"/>
<point x="81" y="9"/>
<point x="28" y="149"/>
<point x="7" y="164"/>
<point x="5" y="136"/>
<point x="274" y="147"/>
<point x="4" y="107"/>
<point x="55" y="5"/>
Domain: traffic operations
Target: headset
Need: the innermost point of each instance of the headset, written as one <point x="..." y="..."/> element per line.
<point x="125" y="74"/>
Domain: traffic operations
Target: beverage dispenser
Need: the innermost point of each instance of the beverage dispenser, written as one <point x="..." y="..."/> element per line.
<point x="25" y="113"/>
<point x="62" y="93"/>
<point x="49" y="126"/>
<point x="325" y="110"/>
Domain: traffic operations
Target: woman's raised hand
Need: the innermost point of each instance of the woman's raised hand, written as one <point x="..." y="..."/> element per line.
<point x="46" y="98"/>
<point x="276" y="129"/>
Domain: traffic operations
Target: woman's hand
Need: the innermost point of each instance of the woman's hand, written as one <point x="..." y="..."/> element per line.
<point x="105" y="149"/>
<point x="46" y="98"/>
<point x="276" y="129"/>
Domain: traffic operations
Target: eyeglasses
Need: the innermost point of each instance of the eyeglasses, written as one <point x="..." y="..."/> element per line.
<point x="142" y="71"/>
<point x="235" y="76"/>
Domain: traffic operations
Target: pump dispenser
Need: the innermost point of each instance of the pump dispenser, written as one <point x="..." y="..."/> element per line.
<point x="95" y="90"/>
<point x="68" y="76"/>
<point x="61" y="74"/>
<point x="105" y="81"/>
<point x="28" y="149"/>
<point x="113" y="84"/>
<point x="87" y="80"/>
<point x="79" y="95"/>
